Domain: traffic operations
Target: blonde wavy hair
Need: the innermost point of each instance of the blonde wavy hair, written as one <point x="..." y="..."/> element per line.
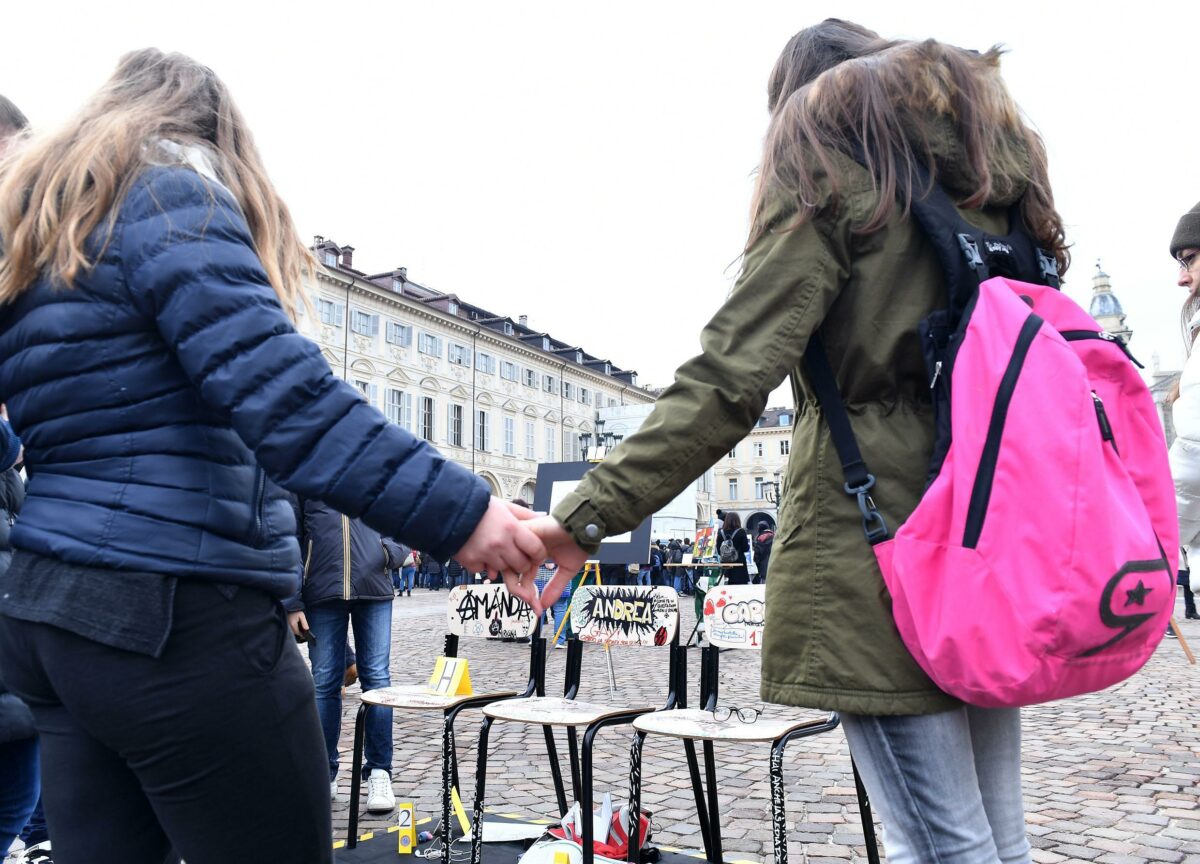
<point x="57" y="188"/>
<point x="841" y="88"/>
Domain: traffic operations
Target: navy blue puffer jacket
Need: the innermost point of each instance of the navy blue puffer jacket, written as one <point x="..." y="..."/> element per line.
<point x="149" y="394"/>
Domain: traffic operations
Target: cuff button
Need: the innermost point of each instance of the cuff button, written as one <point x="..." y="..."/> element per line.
<point x="592" y="532"/>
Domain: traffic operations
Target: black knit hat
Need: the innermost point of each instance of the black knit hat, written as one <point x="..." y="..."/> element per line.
<point x="1187" y="232"/>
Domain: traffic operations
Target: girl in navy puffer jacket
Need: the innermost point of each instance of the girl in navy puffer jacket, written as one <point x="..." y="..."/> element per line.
<point x="149" y="362"/>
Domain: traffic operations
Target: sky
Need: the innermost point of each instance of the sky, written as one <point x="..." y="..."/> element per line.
<point x="591" y="165"/>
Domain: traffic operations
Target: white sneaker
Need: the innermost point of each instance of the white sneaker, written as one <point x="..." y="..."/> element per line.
<point x="380" y="797"/>
<point x="333" y="793"/>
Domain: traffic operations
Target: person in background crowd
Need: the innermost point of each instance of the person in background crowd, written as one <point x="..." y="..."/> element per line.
<point x="408" y="572"/>
<point x="828" y="242"/>
<point x="347" y="583"/>
<point x="434" y="570"/>
<point x="1185" y="402"/>
<point x="732" y="530"/>
<point x="762" y="551"/>
<point x="555" y="617"/>
<point x="456" y="574"/>
<point x="148" y="261"/>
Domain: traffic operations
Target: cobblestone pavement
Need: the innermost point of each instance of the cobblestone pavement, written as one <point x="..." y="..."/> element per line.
<point x="1108" y="778"/>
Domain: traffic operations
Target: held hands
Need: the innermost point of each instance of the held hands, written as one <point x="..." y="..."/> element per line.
<point x="503" y="543"/>
<point x="560" y="546"/>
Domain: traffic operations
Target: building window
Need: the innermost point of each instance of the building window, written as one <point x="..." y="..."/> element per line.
<point x="398" y="334"/>
<point x="426" y="425"/>
<point x="459" y="355"/>
<point x="330" y="259"/>
<point x="733" y="453"/>
<point x="530" y="378"/>
<point x="733" y="489"/>
<point x="485" y="363"/>
<point x="785" y="447"/>
<point x="456" y="425"/>
<point x="612" y="403"/>
<point x="371" y="391"/>
<point x="481" y="430"/>
<point x="427" y="343"/>
<point x="760" y="492"/>
<point x="529" y="454"/>
<point x="510" y="436"/>
<point x="785" y="419"/>
<point x="568" y="390"/>
<point x="398" y="408"/>
<point x="585" y="396"/>
<point x="363" y="323"/>
<point x="508" y="370"/>
<point x="549" y="383"/>
<point x="758" y="449"/>
<point x="452" y="307"/>
<point x="549" y="444"/>
<point x="331" y="313"/>
<point x="545" y="343"/>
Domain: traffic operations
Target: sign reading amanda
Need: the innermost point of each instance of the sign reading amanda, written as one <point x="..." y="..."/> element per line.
<point x="735" y="615"/>
<point x="488" y="610"/>
<point x="625" y="614"/>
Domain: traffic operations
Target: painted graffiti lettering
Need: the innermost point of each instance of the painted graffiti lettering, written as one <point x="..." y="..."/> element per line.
<point x="747" y="612"/>
<point x="476" y="605"/>
<point x="616" y="609"/>
<point x="624" y="613"/>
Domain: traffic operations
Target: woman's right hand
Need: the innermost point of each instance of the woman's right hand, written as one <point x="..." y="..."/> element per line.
<point x="503" y="543"/>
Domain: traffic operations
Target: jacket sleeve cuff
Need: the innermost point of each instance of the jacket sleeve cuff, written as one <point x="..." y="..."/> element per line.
<point x="470" y="515"/>
<point x="582" y="521"/>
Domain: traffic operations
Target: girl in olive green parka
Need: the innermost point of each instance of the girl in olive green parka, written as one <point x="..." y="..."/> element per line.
<point x="831" y="249"/>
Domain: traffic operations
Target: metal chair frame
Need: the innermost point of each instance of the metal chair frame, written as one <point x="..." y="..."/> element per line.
<point x="708" y="811"/>
<point x="535" y="686"/>
<point x="581" y="782"/>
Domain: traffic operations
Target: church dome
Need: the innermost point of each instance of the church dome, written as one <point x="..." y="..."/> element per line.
<point x="1105" y="305"/>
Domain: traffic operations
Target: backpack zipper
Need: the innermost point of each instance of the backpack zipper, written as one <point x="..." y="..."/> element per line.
<point x="1104" y="336"/>
<point x="1106" y="431"/>
<point x="981" y="492"/>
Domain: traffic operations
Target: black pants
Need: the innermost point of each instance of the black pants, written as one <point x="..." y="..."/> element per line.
<point x="213" y="750"/>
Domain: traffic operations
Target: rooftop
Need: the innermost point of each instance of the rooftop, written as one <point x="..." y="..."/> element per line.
<point x="340" y="259"/>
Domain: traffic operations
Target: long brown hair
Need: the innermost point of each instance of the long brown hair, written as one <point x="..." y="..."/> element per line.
<point x="57" y="188"/>
<point x="841" y="88"/>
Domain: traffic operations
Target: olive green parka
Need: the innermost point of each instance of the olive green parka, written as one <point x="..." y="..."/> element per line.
<point x="831" y="643"/>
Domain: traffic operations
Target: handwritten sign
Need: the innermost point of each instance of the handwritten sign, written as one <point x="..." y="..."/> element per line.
<point x="488" y="611"/>
<point x="735" y="616"/>
<point x="625" y="614"/>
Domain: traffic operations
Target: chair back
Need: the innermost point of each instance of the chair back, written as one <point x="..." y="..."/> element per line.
<point x="639" y="615"/>
<point x="488" y="610"/>
<point x="735" y="616"/>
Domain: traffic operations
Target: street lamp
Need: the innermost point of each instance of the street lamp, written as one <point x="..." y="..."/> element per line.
<point x="605" y="441"/>
<point x="772" y="492"/>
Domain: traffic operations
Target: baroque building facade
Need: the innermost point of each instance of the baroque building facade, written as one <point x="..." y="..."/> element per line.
<point x="750" y="477"/>
<point x="490" y="392"/>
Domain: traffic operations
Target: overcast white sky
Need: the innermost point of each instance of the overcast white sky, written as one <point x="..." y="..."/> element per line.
<point x="591" y="165"/>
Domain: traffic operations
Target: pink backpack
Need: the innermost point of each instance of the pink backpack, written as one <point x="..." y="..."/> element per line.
<point x="1040" y="561"/>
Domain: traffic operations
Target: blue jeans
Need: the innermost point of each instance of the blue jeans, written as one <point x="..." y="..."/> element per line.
<point x="643" y="577"/>
<point x="947" y="786"/>
<point x="19" y="787"/>
<point x="404" y="582"/>
<point x="372" y="622"/>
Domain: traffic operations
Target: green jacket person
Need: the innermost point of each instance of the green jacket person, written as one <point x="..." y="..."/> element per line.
<point x="831" y="249"/>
